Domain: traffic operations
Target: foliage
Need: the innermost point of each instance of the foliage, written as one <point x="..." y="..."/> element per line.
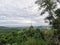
<point x="50" y="7"/>
<point x="29" y="36"/>
<point x="53" y="17"/>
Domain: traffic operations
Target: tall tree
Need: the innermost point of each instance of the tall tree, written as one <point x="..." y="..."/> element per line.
<point x="53" y="14"/>
<point x="49" y="6"/>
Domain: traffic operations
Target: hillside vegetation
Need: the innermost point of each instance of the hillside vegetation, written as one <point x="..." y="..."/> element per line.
<point x="26" y="36"/>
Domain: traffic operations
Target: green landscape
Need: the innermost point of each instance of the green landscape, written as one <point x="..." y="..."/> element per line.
<point x="25" y="36"/>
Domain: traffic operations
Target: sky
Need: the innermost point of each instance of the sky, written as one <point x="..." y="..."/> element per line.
<point x="20" y="13"/>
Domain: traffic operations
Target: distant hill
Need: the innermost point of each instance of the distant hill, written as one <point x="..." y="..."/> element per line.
<point x="43" y="27"/>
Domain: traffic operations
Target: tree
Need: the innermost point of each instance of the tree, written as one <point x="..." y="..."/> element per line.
<point x="49" y="6"/>
<point x="53" y="14"/>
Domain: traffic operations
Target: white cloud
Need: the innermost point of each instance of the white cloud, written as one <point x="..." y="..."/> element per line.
<point x="19" y="12"/>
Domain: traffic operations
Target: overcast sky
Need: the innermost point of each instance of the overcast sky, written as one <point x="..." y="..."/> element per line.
<point x="20" y="13"/>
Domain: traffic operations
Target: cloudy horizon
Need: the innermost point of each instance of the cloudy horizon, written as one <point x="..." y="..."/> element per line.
<point x="20" y="13"/>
